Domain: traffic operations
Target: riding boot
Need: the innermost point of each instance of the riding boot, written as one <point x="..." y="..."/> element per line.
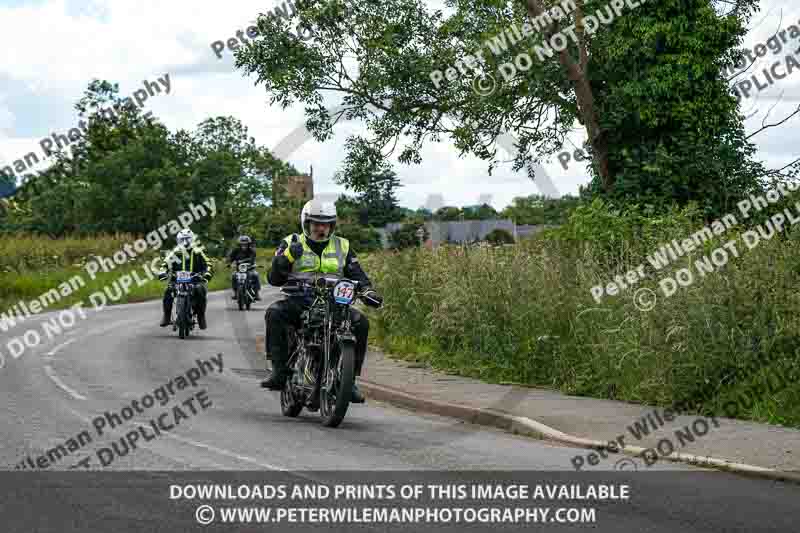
<point x="166" y="318"/>
<point x="278" y="354"/>
<point x="279" y="371"/>
<point x="356" y="396"/>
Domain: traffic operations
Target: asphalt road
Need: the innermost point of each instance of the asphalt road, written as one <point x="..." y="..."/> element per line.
<point x="55" y="392"/>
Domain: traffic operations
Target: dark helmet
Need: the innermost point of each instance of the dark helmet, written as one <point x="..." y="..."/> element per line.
<point x="245" y="242"/>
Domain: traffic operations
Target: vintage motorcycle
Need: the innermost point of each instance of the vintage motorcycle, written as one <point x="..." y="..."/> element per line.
<point x="183" y="315"/>
<point x="322" y="349"/>
<point x="245" y="291"/>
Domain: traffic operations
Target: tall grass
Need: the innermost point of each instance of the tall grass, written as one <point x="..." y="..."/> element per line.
<point x="32" y="265"/>
<point x="525" y="314"/>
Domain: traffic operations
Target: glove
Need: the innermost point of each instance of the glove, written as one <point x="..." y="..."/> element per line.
<point x="295" y="249"/>
<point x="372" y="298"/>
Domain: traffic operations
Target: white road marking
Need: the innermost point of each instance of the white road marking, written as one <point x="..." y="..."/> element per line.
<point x="58" y="348"/>
<point x="226" y="452"/>
<point x="190" y="442"/>
<point x="220" y="451"/>
<point x="52" y="375"/>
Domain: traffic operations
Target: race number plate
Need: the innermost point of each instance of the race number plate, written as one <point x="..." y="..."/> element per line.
<point x="344" y="292"/>
<point x="184" y="276"/>
<point x="241" y="276"/>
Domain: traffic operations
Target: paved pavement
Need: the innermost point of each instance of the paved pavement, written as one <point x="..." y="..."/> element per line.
<point x="755" y="444"/>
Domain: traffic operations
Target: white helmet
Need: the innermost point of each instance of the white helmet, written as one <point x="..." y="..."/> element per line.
<point x="185" y="238"/>
<point x="318" y="211"/>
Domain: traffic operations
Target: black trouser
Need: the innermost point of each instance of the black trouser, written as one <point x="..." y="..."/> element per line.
<point x="287" y="311"/>
<point x="254" y="279"/>
<point x="198" y="299"/>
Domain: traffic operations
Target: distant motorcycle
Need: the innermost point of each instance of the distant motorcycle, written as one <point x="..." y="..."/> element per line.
<point x="245" y="290"/>
<point x="322" y="349"/>
<point x="183" y="315"/>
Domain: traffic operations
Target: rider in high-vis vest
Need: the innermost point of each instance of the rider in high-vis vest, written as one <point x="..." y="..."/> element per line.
<point x="316" y="250"/>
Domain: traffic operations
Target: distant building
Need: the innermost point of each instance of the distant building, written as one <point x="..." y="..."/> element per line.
<point x="464" y="232"/>
<point x="300" y="187"/>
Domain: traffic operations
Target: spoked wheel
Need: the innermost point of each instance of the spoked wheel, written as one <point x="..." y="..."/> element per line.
<point x="183" y="317"/>
<point x="291" y="397"/>
<point x="249" y="300"/>
<point x="337" y="386"/>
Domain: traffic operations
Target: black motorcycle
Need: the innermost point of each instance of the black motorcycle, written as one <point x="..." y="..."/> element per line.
<point x="245" y="288"/>
<point x="322" y="349"/>
<point x="183" y="315"/>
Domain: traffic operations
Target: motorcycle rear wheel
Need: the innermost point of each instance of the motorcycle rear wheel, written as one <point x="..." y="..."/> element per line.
<point x="291" y="398"/>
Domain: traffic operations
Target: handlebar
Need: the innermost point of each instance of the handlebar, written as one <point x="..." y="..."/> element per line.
<point x="163" y="276"/>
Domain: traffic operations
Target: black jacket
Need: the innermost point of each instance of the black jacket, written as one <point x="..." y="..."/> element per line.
<point x="237" y="254"/>
<point x="281" y="267"/>
<point x="178" y="259"/>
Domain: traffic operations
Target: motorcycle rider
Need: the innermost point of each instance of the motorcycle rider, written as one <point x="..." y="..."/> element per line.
<point x="245" y="252"/>
<point x="318" y="249"/>
<point x="186" y="256"/>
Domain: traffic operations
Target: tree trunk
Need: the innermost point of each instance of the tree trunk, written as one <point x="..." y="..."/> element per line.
<point x="583" y="90"/>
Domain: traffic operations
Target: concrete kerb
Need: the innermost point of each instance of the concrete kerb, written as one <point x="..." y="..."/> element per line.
<point x="525" y="426"/>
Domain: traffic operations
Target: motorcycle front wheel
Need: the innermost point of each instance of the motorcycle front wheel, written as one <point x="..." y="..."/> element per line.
<point x="184" y="316"/>
<point x="337" y="387"/>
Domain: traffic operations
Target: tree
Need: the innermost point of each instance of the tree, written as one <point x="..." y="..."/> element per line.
<point x="348" y="208"/>
<point x="499" y="236"/>
<point x="406" y="236"/>
<point x="537" y="209"/>
<point x="131" y="174"/>
<point x="481" y="212"/>
<point x="655" y="133"/>
<point x="378" y="202"/>
<point x="447" y="214"/>
<point x="362" y="238"/>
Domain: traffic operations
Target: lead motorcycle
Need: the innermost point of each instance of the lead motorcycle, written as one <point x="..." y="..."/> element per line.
<point x="322" y="349"/>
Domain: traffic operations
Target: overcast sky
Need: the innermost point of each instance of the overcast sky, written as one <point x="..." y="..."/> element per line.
<point x="53" y="48"/>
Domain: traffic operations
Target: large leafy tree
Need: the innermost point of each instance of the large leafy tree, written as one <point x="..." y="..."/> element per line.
<point x="655" y="131"/>
<point x="130" y="173"/>
<point x="377" y="201"/>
